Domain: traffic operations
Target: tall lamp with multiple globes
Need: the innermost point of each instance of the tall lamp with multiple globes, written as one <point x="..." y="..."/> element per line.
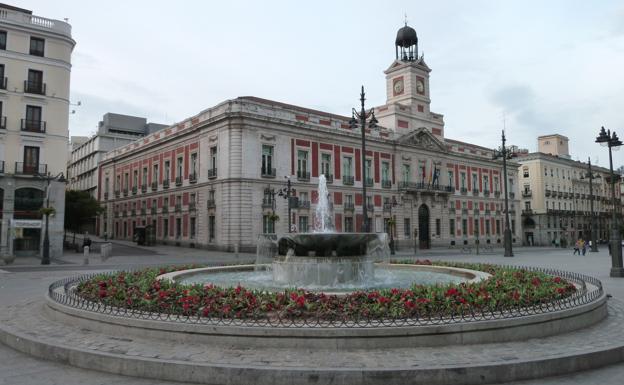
<point x="364" y="119"/>
<point x="45" y="258"/>
<point x="608" y="139"/>
<point x="506" y="153"/>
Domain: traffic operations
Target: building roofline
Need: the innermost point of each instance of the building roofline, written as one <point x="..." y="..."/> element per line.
<point x="292" y="106"/>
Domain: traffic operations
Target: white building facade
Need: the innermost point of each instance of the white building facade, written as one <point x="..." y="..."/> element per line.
<point x="35" y="68"/>
<point x="212" y="180"/>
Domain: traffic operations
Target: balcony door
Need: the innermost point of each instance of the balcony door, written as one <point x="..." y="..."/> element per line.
<point x="31" y="160"/>
<point x="33" y="118"/>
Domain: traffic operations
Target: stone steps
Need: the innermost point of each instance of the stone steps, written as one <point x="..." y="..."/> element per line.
<point x="26" y="327"/>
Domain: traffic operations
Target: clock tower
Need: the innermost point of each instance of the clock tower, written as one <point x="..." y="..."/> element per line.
<point x="407" y="89"/>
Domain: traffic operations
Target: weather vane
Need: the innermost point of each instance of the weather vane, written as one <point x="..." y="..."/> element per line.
<point x="406" y="18"/>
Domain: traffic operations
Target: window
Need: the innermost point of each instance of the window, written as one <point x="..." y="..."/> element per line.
<point x="213" y="158"/>
<point x="452" y="227"/>
<point x="267" y="225"/>
<point x="192" y="233"/>
<point x="3" y="84"/>
<point x="545" y="171"/>
<point x="385" y="171"/>
<point x="405" y="172"/>
<point x="465" y="227"/>
<point x="302" y="163"/>
<point x="496" y="183"/>
<point x="31" y="160"/>
<point x="267" y="160"/>
<point x="135" y="178"/>
<point x="527" y="205"/>
<point x="513" y="226"/>
<point x="450" y="179"/>
<point x="369" y="169"/>
<point x="106" y="186"/>
<point x="349" y="200"/>
<point x="33" y="119"/>
<point x="463" y="180"/>
<point x="348" y="224"/>
<point x="194" y="165"/>
<point x="165" y="227"/>
<point x="474" y="182"/>
<point x="498" y="227"/>
<point x="167" y="167"/>
<point x="144" y="176"/>
<point x="347" y="166"/>
<point x="476" y="227"/>
<point x="37" y="46"/>
<point x="155" y="174"/>
<point x="178" y="224"/>
<point x="525" y="172"/>
<point x="211" y="228"/>
<point x="126" y="181"/>
<point x="303" y="224"/>
<point x="3" y="39"/>
<point x="486" y="182"/>
<point x="406" y="228"/>
<point x="487" y="227"/>
<point x="180" y="163"/>
<point x="326" y="164"/>
<point x="438" y="227"/>
<point x="166" y="202"/>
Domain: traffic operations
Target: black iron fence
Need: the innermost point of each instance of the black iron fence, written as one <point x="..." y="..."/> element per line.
<point x="589" y="289"/>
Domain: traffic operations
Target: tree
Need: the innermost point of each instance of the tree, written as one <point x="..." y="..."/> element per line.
<point x="79" y="206"/>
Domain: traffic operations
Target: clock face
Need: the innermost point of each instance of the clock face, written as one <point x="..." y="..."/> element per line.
<point x="398" y="86"/>
<point x="420" y="87"/>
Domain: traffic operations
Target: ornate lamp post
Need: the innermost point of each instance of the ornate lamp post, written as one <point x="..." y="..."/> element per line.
<point x="506" y="153"/>
<point x="287" y="193"/>
<point x="360" y="119"/>
<point x="47" y="211"/>
<point x="611" y="140"/>
<point x="592" y="227"/>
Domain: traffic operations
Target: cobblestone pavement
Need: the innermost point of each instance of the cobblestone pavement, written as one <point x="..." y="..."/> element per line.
<point x="16" y="286"/>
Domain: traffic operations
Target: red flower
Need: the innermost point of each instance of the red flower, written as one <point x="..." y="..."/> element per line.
<point x="102" y="293"/>
<point x="536" y="281"/>
<point x="451" y="292"/>
<point x="395" y="291"/>
<point x="423" y="300"/>
<point x="557" y="280"/>
<point x="410" y="304"/>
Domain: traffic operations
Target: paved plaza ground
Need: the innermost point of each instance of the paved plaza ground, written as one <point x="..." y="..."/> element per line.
<point x="26" y="278"/>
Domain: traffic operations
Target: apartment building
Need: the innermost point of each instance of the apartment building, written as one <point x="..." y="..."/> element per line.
<point x="213" y="179"/>
<point x="35" y="68"/>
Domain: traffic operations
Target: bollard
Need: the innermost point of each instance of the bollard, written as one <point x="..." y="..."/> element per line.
<point x="86" y="255"/>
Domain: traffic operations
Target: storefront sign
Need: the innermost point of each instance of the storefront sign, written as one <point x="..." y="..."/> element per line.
<point x="26" y="223"/>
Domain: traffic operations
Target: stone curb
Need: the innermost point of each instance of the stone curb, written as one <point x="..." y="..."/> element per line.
<point x="210" y="373"/>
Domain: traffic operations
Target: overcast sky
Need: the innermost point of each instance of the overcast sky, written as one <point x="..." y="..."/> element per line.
<point x="548" y="66"/>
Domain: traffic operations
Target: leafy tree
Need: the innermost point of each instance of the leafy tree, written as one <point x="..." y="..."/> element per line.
<point x="79" y="206"/>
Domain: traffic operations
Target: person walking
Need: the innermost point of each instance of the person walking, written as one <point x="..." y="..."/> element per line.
<point x="577" y="245"/>
<point x="584" y="247"/>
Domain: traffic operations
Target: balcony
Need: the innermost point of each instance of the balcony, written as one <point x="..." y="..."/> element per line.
<point x="565" y="195"/>
<point x="559" y="194"/>
<point x="348" y="206"/>
<point x="475" y="212"/>
<point x="38" y="88"/>
<point x="547" y="193"/>
<point x="369" y="182"/>
<point x="154" y="186"/>
<point x="464" y="211"/>
<point x="386" y="183"/>
<point x="303" y="176"/>
<point x="144" y="188"/>
<point x="527" y="193"/>
<point x="134" y="190"/>
<point x="212" y="173"/>
<point x="30" y="125"/>
<point x="424" y="187"/>
<point x="3" y="83"/>
<point x="475" y="192"/>
<point x="463" y="191"/>
<point x="329" y="178"/>
<point x="387" y="207"/>
<point x="487" y="212"/>
<point x="451" y="210"/>
<point x="267" y="203"/>
<point x="497" y="194"/>
<point x="211" y="204"/>
<point x="153" y="210"/>
<point x="165" y="208"/>
<point x="143" y="211"/>
<point x="527" y="212"/>
<point x="577" y="195"/>
<point x="486" y="193"/>
<point x="304" y="204"/>
<point x="192" y="206"/>
<point x="267" y="172"/>
<point x="193" y="177"/>
<point x="347" y="180"/>
<point x="165" y="183"/>
<point x="30" y="169"/>
<point x="106" y="196"/>
<point x="178" y="207"/>
<point x="3" y="123"/>
<point x="125" y="192"/>
<point x="178" y="181"/>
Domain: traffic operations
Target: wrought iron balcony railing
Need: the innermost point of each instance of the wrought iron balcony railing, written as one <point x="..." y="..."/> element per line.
<point x="178" y="181"/>
<point x="212" y="173"/>
<point x="31" y="87"/>
<point x="348" y="180"/>
<point x="267" y="172"/>
<point x="303" y="176"/>
<point x="33" y="125"/>
<point x="30" y="169"/>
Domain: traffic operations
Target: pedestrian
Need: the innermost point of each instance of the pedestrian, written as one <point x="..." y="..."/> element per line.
<point x="86" y="241"/>
<point x="105" y="236"/>
<point x="577" y="245"/>
<point x="584" y="247"/>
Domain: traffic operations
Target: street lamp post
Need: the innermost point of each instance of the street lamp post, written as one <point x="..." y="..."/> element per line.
<point x="611" y="140"/>
<point x="360" y="118"/>
<point x="45" y="259"/>
<point x="592" y="217"/>
<point x="287" y="193"/>
<point x="506" y="153"/>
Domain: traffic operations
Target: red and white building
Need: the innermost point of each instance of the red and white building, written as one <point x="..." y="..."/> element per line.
<point x="208" y="181"/>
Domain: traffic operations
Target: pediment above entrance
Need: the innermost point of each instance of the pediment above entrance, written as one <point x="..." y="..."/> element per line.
<point x="422" y="138"/>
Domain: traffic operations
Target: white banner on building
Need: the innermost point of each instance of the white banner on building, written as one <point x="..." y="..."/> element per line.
<point x="26" y="223"/>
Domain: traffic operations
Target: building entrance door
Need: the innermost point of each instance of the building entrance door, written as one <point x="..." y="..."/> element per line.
<point x="423" y="227"/>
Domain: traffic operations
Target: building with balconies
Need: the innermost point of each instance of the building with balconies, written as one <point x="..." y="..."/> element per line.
<point x="35" y="68"/>
<point x="413" y="173"/>
<point x="556" y="196"/>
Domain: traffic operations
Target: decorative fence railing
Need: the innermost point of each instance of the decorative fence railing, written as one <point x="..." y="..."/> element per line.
<point x="589" y="289"/>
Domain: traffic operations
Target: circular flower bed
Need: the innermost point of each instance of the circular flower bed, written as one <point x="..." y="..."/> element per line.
<point x="507" y="288"/>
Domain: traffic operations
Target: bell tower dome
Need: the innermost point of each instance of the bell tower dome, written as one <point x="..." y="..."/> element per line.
<point x="406" y="44"/>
